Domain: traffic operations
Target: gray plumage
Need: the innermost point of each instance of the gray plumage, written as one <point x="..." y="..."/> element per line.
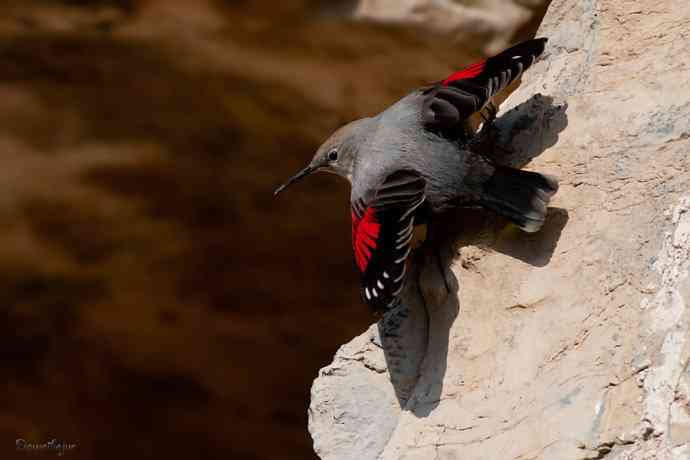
<point x="397" y="139"/>
<point x="413" y="161"/>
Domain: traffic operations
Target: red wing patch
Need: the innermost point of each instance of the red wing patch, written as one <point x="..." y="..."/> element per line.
<point x="468" y="72"/>
<point x="382" y="229"/>
<point x="365" y="232"/>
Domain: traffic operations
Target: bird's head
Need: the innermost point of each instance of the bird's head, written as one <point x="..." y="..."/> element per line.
<point x="337" y="155"/>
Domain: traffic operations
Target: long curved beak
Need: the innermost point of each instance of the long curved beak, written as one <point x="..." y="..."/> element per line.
<point x="303" y="173"/>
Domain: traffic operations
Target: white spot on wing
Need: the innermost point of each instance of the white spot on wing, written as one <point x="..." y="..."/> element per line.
<point x="366" y="292"/>
<point x="386" y="275"/>
<point x="373" y="291"/>
<point x="379" y="284"/>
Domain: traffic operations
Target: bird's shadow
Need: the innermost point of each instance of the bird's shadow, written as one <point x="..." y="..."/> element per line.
<point x="525" y="131"/>
<point x="415" y="335"/>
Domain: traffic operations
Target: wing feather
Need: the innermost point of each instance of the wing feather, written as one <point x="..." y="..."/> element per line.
<point x="469" y="90"/>
<point x="382" y="231"/>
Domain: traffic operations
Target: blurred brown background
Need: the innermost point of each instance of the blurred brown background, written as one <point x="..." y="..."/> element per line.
<point x="156" y="302"/>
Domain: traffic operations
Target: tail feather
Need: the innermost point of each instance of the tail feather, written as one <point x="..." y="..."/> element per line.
<point x="521" y="196"/>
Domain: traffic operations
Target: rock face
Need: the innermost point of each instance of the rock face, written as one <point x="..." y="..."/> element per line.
<point x="489" y="24"/>
<point x="571" y="343"/>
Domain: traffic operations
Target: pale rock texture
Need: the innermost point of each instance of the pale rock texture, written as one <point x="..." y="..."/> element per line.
<point x="571" y="343"/>
<point x="491" y="23"/>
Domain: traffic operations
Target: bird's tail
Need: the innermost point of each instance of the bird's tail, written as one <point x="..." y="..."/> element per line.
<point x="521" y="196"/>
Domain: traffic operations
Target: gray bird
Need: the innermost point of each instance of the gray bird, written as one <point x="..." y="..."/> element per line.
<point x="413" y="161"/>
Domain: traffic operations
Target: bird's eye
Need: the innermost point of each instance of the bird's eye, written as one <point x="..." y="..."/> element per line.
<point x="333" y="155"/>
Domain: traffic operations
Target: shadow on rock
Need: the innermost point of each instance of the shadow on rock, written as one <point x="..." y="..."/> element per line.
<point x="416" y="357"/>
<point x="416" y="334"/>
<point x="525" y="131"/>
<point x="535" y="249"/>
<point x="481" y="228"/>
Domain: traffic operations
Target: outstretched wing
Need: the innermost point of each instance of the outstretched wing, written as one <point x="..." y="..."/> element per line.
<point x="467" y="91"/>
<point x="381" y="234"/>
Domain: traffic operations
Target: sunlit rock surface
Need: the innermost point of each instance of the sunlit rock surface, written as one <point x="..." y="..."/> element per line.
<point x="571" y="343"/>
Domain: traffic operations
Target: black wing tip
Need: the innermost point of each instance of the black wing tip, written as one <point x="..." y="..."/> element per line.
<point x="542" y="43"/>
<point x="534" y="46"/>
<point x="536" y="41"/>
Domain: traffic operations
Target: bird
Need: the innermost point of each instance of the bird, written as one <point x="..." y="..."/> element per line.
<point x="414" y="161"/>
